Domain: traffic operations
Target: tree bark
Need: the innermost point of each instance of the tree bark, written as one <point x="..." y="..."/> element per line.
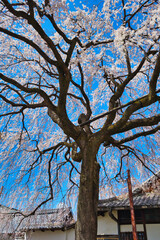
<point x="86" y="226"/>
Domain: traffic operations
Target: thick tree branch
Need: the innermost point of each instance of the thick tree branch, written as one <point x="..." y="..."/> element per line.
<point x="121" y="87"/>
<point x="29" y="42"/>
<point x="13" y="104"/>
<point x="138" y="10"/>
<point x="38" y="28"/>
<point x="137" y="135"/>
<point x="31" y="7"/>
<point x="47" y="100"/>
<point x="11" y="113"/>
<point x="114" y="109"/>
<point x="81" y="88"/>
<point x="154" y="78"/>
<point x="128" y="61"/>
<point x="96" y="43"/>
<point x="151" y="121"/>
<point x="61" y="33"/>
<point x="70" y="51"/>
<point x="76" y="156"/>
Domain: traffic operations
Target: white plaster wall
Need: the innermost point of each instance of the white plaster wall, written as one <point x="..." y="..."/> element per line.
<point x="153" y="231"/>
<point x="50" y="235"/>
<point x="71" y="234"/>
<point x="128" y="228"/>
<point x="106" y="225"/>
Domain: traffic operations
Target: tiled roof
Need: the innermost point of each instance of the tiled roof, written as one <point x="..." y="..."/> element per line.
<point x="4" y="209"/>
<point x="152" y="184"/>
<point x="145" y="196"/>
<point x="49" y="219"/>
<point x="146" y="200"/>
<point x="7" y="220"/>
<point x="7" y="223"/>
<point x="42" y="220"/>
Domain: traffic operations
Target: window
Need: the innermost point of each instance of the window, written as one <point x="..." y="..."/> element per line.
<point x="124" y="216"/>
<point x="152" y="215"/>
<point x="146" y="215"/>
<point x="129" y="236"/>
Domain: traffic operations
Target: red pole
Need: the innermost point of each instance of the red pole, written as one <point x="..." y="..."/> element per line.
<point x="133" y="222"/>
<point x="1" y="190"/>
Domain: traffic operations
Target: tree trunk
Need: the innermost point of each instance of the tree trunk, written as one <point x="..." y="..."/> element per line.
<point x="86" y="226"/>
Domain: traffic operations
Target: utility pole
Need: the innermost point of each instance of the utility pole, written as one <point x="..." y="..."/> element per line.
<point x="133" y="222"/>
<point x="1" y="190"/>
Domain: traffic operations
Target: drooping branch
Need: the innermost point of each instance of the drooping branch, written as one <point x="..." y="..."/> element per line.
<point x="133" y="151"/>
<point x="75" y="155"/>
